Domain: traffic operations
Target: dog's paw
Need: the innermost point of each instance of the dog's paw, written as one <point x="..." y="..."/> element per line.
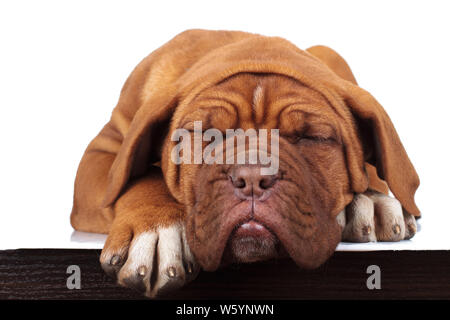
<point x="374" y="216"/>
<point x="153" y="262"/>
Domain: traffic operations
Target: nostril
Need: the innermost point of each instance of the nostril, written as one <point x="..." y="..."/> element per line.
<point x="239" y="183"/>
<point x="263" y="184"/>
<point x="266" y="183"/>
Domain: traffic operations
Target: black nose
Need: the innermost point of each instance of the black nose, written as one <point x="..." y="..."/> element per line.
<point x="249" y="182"/>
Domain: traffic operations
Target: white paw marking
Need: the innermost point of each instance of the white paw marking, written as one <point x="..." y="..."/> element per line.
<point x="341" y="219"/>
<point x="157" y="261"/>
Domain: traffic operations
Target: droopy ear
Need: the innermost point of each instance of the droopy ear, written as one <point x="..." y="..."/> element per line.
<point x="140" y="148"/>
<point x="382" y="146"/>
<point x="338" y="65"/>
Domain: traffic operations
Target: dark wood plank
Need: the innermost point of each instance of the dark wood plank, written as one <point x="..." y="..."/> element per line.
<point x="41" y="274"/>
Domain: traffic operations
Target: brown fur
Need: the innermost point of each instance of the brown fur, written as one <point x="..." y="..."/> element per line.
<point x="117" y="187"/>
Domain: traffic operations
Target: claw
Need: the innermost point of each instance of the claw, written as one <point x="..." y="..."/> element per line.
<point x="115" y="260"/>
<point x="190" y="268"/>
<point x="412" y="228"/>
<point x="396" y="229"/>
<point x="142" y="271"/>
<point x="366" y="230"/>
<point x="171" y="272"/>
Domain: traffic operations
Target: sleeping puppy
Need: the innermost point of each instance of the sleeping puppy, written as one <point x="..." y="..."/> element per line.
<point x="331" y="157"/>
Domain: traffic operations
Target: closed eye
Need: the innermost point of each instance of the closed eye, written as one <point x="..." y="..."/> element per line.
<point x="300" y="138"/>
<point x="317" y="138"/>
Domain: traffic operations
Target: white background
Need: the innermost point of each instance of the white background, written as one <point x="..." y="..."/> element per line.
<point x="62" y="65"/>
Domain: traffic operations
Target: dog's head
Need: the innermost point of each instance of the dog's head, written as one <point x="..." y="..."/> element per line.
<point x="326" y="133"/>
<point x="237" y="207"/>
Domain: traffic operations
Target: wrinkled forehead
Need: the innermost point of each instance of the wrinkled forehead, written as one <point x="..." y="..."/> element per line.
<point x="258" y="101"/>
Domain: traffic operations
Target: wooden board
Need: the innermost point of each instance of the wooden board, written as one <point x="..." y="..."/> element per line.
<point x="41" y="274"/>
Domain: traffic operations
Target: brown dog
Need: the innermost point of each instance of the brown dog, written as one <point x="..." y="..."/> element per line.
<point x="166" y="220"/>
